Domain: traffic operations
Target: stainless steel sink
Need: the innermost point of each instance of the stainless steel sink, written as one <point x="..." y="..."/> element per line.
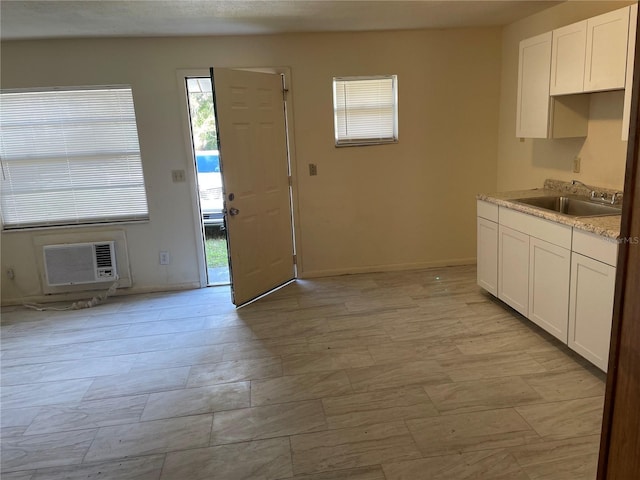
<point x="571" y="206"/>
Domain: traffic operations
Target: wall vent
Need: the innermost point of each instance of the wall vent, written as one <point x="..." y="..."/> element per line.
<point x="79" y="263"/>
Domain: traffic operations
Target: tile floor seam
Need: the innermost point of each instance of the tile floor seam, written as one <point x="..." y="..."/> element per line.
<point x="543" y="462"/>
<point x="413" y="439"/>
<point x="540" y="401"/>
<point x="572" y="399"/>
<point x="164" y="460"/>
<point x="461" y="452"/>
<point x="114" y="459"/>
<point x="210" y="439"/>
<point x="478" y="450"/>
<point x="291" y="455"/>
<point x="79" y="404"/>
<point x="89" y="447"/>
<point x="540" y="437"/>
<point x="146" y="402"/>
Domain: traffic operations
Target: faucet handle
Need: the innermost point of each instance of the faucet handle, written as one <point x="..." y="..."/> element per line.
<point x="615" y="197"/>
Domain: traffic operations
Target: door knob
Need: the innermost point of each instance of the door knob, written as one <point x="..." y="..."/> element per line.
<point x="233" y="212"/>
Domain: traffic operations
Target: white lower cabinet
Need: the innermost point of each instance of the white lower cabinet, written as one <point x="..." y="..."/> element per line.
<point x="488" y="255"/>
<point x="549" y="269"/>
<point x="513" y="269"/>
<point x="591" y="308"/>
<point x="560" y="278"/>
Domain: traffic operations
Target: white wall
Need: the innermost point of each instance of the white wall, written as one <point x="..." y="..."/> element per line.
<point x="370" y="208"/>
<point x="527" y="164"/>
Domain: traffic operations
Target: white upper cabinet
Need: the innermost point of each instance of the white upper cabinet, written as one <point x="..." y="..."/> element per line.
<point x="591" y="55"/>
<point x="533" y="87"/>
<point x="606" y="53"/>
<point x="568" y="58"/>
<point x="538" y="114"/>
<point x="626" y="114"/>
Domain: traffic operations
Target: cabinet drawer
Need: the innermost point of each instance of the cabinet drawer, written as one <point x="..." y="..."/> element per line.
<point x="537" y="227"/>
<point x="595" y="246"/>
<point x="488" y="210"/>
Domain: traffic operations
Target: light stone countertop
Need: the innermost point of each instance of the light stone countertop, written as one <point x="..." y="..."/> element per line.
<point x="608" y="226"/>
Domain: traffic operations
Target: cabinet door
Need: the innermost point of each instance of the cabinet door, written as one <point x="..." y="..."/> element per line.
<point x="513" y="269"/>
<point x="631" y="49"/>
<point x="549" y="269"/>
<point x="533" y="87"/>
<point x="567" y="59"/>
<point x="591" y="308"/>
<point x="606" y="58"/>
<point x="488" y="255"/>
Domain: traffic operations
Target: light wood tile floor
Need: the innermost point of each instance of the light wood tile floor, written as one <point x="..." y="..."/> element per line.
<point x="405" y="375"/>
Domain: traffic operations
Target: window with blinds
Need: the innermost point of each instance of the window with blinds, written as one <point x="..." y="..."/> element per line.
<point x="365" y="110"/>
<point x="69" y="157"/>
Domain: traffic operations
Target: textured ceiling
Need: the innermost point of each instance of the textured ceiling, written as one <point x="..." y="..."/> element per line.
<point x="25" y="19"/>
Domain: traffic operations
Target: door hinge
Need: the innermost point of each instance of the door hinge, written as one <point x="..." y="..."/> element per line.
<point x="295" y="259"/>
<point x="284" y="93"/>
<point x="290" y="180"/>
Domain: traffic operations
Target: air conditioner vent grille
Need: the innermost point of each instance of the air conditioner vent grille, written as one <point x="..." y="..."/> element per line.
<point x="103" y="255"/>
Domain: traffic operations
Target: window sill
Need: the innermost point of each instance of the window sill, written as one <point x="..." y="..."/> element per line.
<point x="78" y="226"/>
<point x="366" y="143"/>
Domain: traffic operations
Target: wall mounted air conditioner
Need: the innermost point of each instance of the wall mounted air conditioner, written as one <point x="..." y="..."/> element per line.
<point x="79" y="263"/>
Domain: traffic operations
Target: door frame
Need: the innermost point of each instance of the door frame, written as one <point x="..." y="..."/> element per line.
<point x="190" y="169"/>
<point x="620" y="437"/>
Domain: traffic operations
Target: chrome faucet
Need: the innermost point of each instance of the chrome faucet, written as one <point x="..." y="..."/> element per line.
<point x="592" y="193"/>
<point x="614" y="197"/>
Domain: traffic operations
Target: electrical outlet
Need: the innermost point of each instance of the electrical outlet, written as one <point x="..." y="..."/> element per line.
<point x="576" y="165"/>
<point x="313" y="169"/>
<point x="178" y="176"/>
<point x="164" y="258"/>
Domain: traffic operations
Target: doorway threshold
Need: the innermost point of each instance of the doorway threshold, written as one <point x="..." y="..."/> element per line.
<point x="218" y="276"/>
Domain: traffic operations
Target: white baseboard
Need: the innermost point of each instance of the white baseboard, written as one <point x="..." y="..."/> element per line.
<point x="72" y="297"/>
<point x="387" y="268"/>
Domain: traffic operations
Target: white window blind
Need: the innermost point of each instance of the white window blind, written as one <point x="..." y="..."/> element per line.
<point x="365" y="110"/>
<point x="70" y="157"/>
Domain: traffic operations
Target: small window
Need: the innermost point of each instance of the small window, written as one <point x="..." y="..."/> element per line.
<point x="365" y="110"/>
<point x="70" y="157"/>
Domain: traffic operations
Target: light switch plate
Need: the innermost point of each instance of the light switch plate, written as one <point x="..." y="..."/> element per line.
<point x="164" y="258"/>
<point x="576" y="165"/>
<point x="177" y="176"/>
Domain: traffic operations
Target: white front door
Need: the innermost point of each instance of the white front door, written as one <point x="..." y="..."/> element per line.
<point x="250" y="118"/>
